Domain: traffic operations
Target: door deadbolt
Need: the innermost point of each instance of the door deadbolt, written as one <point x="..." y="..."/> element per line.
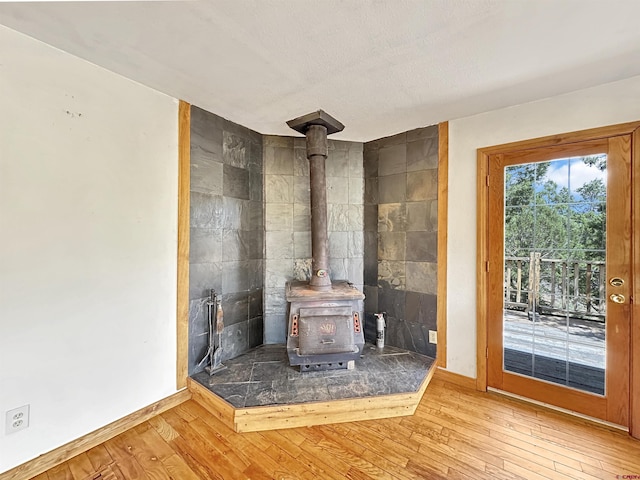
<point x="617" y="298"/>
<point x="616" y="282"/>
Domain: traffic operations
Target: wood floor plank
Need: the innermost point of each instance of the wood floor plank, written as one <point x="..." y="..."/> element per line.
<point x="80" y="467"/>
<point x="99" y="457"/>
<point x="456" y="433"/>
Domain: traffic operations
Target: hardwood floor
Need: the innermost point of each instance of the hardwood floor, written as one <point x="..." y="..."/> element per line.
<point x="455" y="433"/>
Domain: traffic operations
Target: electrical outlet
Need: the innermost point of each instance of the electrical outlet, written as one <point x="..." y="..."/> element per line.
<point x="17" y="419"/>
<point x="433" y="336"/>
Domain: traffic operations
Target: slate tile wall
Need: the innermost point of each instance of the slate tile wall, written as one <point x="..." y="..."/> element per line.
<point x="227" y="234"/>
<point x="288" y="221"/>
<point x="400" y="231"/>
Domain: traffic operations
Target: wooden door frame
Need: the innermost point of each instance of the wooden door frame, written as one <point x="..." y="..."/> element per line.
<point x="482" y="244"/>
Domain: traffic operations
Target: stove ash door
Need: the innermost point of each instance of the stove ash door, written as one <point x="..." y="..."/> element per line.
<point x="326" y="330"/>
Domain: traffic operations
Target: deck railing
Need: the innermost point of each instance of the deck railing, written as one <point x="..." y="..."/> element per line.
<point x="555" y="286"/>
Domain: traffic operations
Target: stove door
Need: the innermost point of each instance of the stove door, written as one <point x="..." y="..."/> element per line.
<point x="326" y="330"/>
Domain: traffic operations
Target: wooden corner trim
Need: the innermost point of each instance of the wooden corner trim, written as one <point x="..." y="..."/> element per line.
<point x="455" y="378"/>
<point x="184" y="187"/>
<point x="443" y="222"/>
<point x="80" y="445"/>
<point x="481" y="275"/>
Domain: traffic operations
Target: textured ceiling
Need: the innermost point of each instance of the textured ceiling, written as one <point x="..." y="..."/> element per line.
<point x="378" y="66"/>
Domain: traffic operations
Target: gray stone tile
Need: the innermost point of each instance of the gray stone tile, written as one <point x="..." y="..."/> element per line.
<point x="235" y="150"/>
<point x="424" y="132"/>
<point x="279" y="216"/>
<point x="421" y="277"/>
<point x="235" y="182"/>
<point x="422" y="185"/>
<point x="338" y="190"/>
<point x="198" y="346"/>
<point x="371" y="191"/>
<point x="391" y="245"/>
<point x="422" y="246"/>
<point x="233" y="393"/>
<point x="278" y="161"/>
<point x="198" y="316"/>
<point x="422" y="308"/>
<point x="392" y="160"/>
<point x="255" y="303"/>
<point x="255" y="216"/>
<point x="268" y="371"/>
<point x="391" y="274"/>
<point x="356" y="218"/>
<point x="256" y="186"/>
<point x="235" y="213"/>
<point x="355" y="247"/>
<point x="337" y="163"/>
<point x="275" y="301"/>
<point x="355" y="270"/>
<point x="203" y="277"/>
<point x="279" y="244"/>
<point x="392" y="301"/>
<point x="301" y="391"/>
<point x="206" y="211"/>
<point x="371" y="299"/>
<point x="397" y="139"/>
<point x="370" y="220"/>
<point x="370" y="159"/>
<point x="256" y="159"/>
<point x="235" y="245"/>
<point x="299" y="142"/>
<point x="392" y="217"/>
<point x="235" y="307"/>
<point x="338" y="218"/>
<point x="392" y="188"/>
<point x="301" y="218"/>
<point x="338" y="268"/>
<point x="255" y="240"/>
<point x="419" y="217"/>
<point x="279" y="188"/>
<point x="277" y="141"/>
<point x="300" y="162"/>
<point x="275" y="328"/>
<point x="301" y="245"/>
<point x="339" y="145"/>
<point x="356" y="191"/>
<point x="235" y="276"/>
<point x="206" y="136"/>
<point x="277" y="272"/>
<point x="256" y="331"/>
<point x="301" y="193"/>
<point x="302" y="269"/>
<point x="206" y="176"/>
<point x="422" y="154"/>
<point x="339" y="244"/>
<point x="256" y="274"/>
<point x="260" y="394"/>
<point x="235" y="340"/>
<point x="272" y="353"/>
<point x="356" y="162"/>
<point x="205" y="245"/>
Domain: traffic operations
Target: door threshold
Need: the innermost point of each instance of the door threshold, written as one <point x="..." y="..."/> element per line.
<point x="559" y="409"/>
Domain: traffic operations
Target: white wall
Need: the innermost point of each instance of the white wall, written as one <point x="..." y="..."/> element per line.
<point x="88" y="215"/>
<point x="608" y="104"/>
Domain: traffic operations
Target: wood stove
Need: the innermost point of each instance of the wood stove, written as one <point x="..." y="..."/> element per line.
<point x="325" y="328"/>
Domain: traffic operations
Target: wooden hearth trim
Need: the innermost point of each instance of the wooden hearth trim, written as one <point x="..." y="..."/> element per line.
<point x="254" y="419"/>
<point x="443" y="214"/>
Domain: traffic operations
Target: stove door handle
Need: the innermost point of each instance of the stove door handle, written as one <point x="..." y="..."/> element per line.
<point x="327" y="342"/>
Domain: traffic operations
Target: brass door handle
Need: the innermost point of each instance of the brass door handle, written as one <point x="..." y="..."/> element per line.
<point x="617" y="298"/>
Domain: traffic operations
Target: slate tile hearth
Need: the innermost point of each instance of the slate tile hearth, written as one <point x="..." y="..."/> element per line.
<point x="263" y="376"/>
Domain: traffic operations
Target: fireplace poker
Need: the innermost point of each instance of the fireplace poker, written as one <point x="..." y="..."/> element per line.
<point x="216" y="359"/>
<point x="208" y="357"/>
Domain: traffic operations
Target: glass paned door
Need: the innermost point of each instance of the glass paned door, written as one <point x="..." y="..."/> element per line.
<point x="559" y="270"/>
<point x="554" y="271"/>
